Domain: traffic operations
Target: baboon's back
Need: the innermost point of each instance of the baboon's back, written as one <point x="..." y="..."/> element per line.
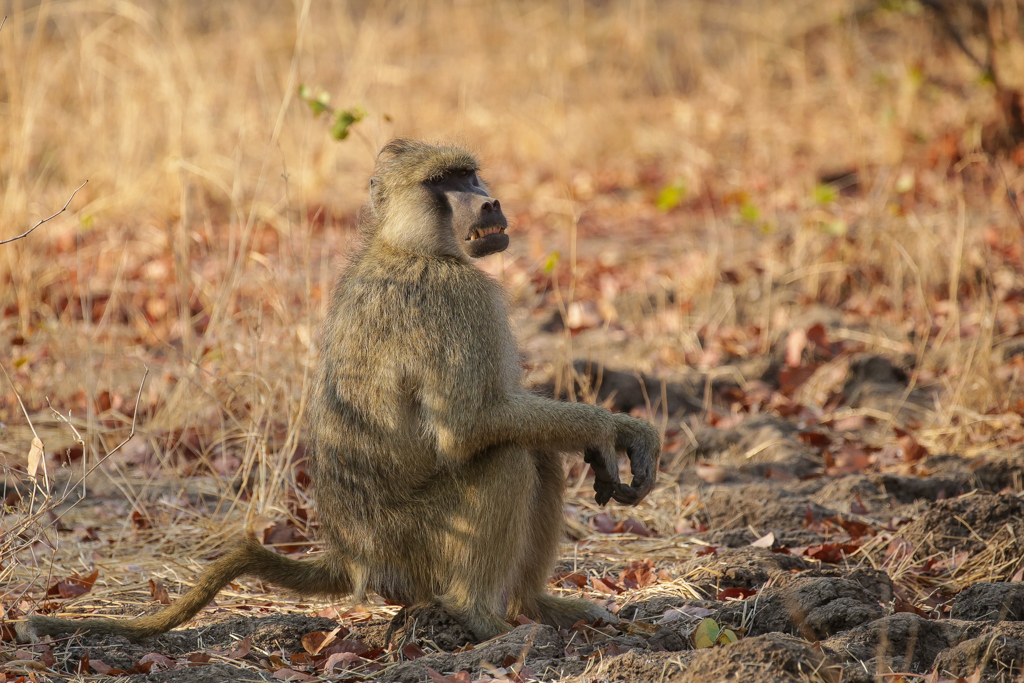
<point x="402" y="330"/>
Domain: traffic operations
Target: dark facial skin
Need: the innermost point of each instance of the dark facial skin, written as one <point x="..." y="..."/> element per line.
<point x="477" y="219"/>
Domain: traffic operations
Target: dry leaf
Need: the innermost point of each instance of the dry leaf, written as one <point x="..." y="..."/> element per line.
<point x="317" y="640"/>
<point x="35" y="456"/>
<point x="912" y="450"/>
<point x="796" y="342"/>
<point x="817" y="336"/>
<point x="286" y="674"/>
<point x="736" y="593"/>
<point x="711" y="474"/>
<point x="606" y="586"/>
<point x="159" y="592"/>
<point x="343" y="660"/>
<point x="413" y="651"/>
<point x="603" y="522"/>
<point x="163" y="661"/>
<point x="199" y="659"/>
<point x="633" y="526"/>
<point x="460" y="677"/>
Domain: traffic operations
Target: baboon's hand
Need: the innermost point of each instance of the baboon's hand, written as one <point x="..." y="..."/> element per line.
<point x="606" y="473"/>
<point x="641" y="442"/>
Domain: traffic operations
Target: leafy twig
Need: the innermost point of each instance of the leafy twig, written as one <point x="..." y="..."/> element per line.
<point x="342" y="119"/>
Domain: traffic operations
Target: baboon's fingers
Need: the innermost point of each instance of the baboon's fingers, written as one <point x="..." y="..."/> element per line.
<point x="604" y="463"/>
<point x="644" y="470"/>
<point x="627" y="495"/>
<point x="643" y="447"/>
<point x="606" y="473"/>
<point x="644" y="474"/>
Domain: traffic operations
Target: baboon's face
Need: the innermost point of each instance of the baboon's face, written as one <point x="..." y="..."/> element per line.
<point x="476" y="217"/>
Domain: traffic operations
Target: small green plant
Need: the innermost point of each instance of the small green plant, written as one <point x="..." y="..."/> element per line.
<point x="551" y="262"/>
<point x="709" y="634"/>
<point x="671" y="196"/>
<point x="825" y="194"/>
<point x="749" y="212"/>
<point x="836" y="228"/>
<point x="319" y="102"/>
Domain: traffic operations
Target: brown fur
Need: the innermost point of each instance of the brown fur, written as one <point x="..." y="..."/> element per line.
<point x="437" y="476"/>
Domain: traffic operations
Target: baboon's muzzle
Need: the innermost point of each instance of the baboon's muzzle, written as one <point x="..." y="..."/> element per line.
<point x="487" y="234"/>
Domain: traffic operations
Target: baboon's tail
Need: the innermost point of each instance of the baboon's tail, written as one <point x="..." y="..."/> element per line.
<point x="319" y="576"/>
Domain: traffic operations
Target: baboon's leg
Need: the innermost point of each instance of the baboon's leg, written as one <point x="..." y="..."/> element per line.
<point x="485" y="538"/>
<point x="530" y="596"/>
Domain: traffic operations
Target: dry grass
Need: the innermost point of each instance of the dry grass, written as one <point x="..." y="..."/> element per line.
<point x="218" y="208"/>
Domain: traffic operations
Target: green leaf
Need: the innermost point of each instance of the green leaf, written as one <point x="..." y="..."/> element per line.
<point x="343" y="121"/>
<point x="911" y="8"/>
<point x="726" y="637"/>
<point x="318" y="101"/>
<point x="706" y="633"/>
<point x="836" y="228"/>
<point x="825" y="194"/>
<point x="552" y="261"/>
<point x="671" y="196"/>
<point x="749" y="212"/>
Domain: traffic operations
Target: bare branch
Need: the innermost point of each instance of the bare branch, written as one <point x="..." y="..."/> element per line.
<point x="63" y="209"/>
<point x="67" y="420"/>
<point x="100" y="461"/>
<point x="135" y="416"/>
<point x="1011" y="195"/>
<point x="950" y="28"/>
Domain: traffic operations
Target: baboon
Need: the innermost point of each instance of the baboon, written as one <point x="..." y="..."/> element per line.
<point x="437" y="476"/>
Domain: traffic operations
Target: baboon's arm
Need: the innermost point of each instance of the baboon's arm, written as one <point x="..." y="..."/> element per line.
<point x="308" y="577"/>
<point x="536" y="422"/>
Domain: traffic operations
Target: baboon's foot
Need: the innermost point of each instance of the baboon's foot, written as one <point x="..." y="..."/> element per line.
<point x="483" y="626"/>
<point x="481" y="622"/>
<point x="416" y="622"/>
<point x="564" y="612"/>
